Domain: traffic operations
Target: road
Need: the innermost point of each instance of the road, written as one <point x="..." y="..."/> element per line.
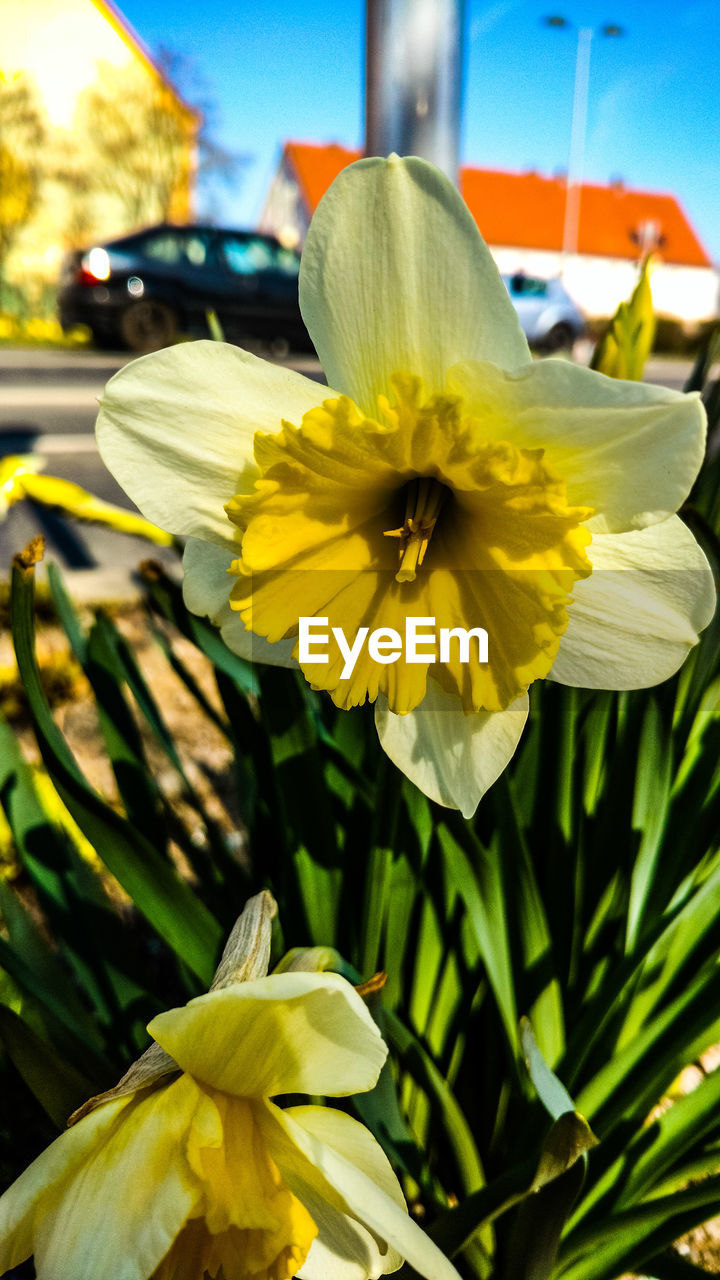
<point x="48" y="405"/>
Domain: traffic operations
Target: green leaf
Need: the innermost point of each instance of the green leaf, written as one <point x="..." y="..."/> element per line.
<point x="398" y="948"/>
<point x="379" y="1109"/>
<point x="706" y="357"/>
<point x="627" y="342"/>
<point x="215" y="328"/>
<point x="476" y="877"/>
<point x="631" y="1081"/>
<point x="185" y="675"/>
<point x="596" y="741"/>
<point x="653" y="1151"/>
<point x="319" y="890"/>
<point x="126" y="668"/>
<point x="56" y="1021"/>
<point x="567" y="1141"/>
<point x="94" y="939"/>
<point x="298" y="778"/>
<point x="379" y="874"/>
<point x="625" y="1241"/>
<point x="652" y="791"/>
<point x="66" y="613"/>
<point x="421" y="1066"/>
<point x="138" y="789"/>
<point x="52" y="978"/>
<point x="551" y="1092"/>
<point x="166" y="597"/>
<point x="670" y="1266"/>
<point x="538" y="1225"/>
<point x="674" y="957"/>
<point x="59" y="1087"/>
<point x="537" y="989"/>
<point x="160" y="894"/>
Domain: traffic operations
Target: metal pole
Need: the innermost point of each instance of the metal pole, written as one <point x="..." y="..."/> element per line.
<point x="413" y="80"/>
<point x="577" y="144"/>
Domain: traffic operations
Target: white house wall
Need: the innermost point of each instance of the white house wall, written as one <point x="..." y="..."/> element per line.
<point x="599" y="284"/>
<point x="284" y="212"/>
<point x="690" y="293"/>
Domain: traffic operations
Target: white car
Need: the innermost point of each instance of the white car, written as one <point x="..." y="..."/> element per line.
<point x="548" y="315"/>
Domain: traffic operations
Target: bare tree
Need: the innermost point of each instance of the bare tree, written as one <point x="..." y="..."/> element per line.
<point x="139" y="139"/>
<point x="216" y="164"/>
<point x="22" y="134"/>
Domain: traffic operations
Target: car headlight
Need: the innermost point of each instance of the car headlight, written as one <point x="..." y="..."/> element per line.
<point x="97" y="264"/>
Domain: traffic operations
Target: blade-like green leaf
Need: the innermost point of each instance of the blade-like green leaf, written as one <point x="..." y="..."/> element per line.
<point x="58" y="1086"/>
<point x="551" y="1091"/>
<point x="567" y="1141"/>
<point x="155" y="887"/>
<point x="166" y="597"/>
<point x="625" y="1241"/>
<point x="479" y="885"/>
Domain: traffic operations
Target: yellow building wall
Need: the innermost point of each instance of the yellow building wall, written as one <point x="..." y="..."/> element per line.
<point x="62" y="46"/>
<point x="59" y="43"/>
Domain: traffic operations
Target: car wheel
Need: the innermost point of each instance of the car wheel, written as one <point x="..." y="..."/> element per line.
<point x="148" y="326"/>
<point x="560" y="337"/>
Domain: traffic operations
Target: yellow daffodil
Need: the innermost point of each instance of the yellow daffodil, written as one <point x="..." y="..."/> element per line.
<point x="188" y="1171"/>
<point x="448" y="477"/>
<point x="20" y="478"/>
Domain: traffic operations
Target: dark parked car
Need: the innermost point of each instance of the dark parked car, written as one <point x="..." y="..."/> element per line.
<point x="143" y="290"/>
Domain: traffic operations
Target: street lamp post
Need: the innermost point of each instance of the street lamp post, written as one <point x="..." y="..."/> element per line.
<point x="413" y="84"/>
<point x="578" y="128"/>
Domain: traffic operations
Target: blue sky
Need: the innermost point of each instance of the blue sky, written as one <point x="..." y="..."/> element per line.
<point x="276" y="70"/>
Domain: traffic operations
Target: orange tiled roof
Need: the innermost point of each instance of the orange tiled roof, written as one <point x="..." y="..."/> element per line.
<point x="526" y="210"/>
<point x="315" y="167"/>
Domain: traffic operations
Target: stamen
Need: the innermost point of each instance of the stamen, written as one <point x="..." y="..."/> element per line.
<point x="424" y="499"/>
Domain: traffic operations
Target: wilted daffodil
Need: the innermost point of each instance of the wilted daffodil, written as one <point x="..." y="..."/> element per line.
<point x="447" y="478"/>
<point x="186" y="1170"/>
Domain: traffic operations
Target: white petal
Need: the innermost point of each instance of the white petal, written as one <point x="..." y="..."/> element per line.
<point x="286" y="1033"/>
<point x="628" y="450"/>
<point x="344" y="1249"/>
<point x="207" y="581"/>
<point x="353" y="1188"/>
<point x="451" y="757"/>
<point x="176" y="430"/>
<point x="103" y="1229"/>
<point x="396" y="278"/>
<point x="354" y="1141"/>
<point x="633" y="622"/>
<point x="206" y="590"/>
<point x="40" y="1186"/>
